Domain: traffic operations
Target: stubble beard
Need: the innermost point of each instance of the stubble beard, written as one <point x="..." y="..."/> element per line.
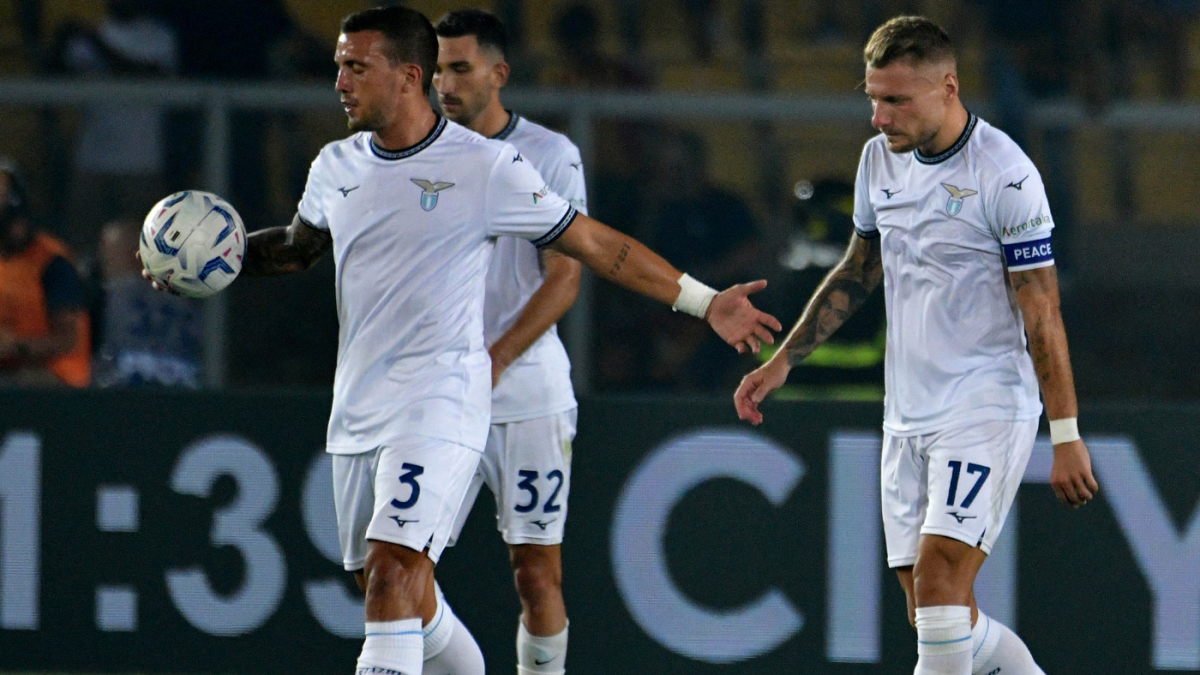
<point x="922" y="140"/>
<point x="466" y="114"/>
<point x="369" y="120"/>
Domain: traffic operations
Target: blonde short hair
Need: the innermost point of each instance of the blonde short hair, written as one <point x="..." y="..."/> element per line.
<point x="912" y="37"/>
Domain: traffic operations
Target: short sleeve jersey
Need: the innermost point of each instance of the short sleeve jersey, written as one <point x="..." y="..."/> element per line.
<point x="952" y="226"/>
<point x="538" y="383"/>
<point x="413" y="231"/>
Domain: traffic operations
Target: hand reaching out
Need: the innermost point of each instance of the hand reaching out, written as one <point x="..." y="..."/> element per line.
<point x="738" y="321"/>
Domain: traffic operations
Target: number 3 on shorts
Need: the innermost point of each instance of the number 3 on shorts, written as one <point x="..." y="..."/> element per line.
<point x="955" y="469"/>
<point x="409" y="477"/>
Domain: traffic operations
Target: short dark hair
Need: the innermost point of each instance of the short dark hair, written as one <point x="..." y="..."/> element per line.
<point x="488" y="30"/>
<point x="912" y="37"/>
<point x="409" y="35"/>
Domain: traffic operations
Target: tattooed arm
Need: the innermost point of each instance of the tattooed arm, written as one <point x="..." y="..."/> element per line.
<point x="837" y="298"/>
<point x="1037" y="294"/>
<point x="274" y="251"/>
<point x="626" y="261"/>
<point x="284" y="250"/>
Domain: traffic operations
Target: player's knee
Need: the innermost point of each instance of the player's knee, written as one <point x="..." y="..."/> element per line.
<point x="944" y="568"/>
<point x="392" y="570"/>
<point x="537" y="574"/>
<point x="942" y="555"/>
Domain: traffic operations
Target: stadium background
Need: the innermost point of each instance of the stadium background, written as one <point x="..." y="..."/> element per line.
<point x="139" y="530"/>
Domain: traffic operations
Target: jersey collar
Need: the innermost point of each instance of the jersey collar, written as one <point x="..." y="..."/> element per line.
<point x="952" y="150"/>
<point x="392" y="155"/>
<point x="513" y="118"/>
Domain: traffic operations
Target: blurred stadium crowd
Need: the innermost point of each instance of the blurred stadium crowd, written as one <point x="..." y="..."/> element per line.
<point x="724" y="200"/>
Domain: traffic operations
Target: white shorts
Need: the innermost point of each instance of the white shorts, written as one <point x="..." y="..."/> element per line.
<point x="527" y="466"/>
<point x="957" y="483"/>
<point x="407" y="494"/>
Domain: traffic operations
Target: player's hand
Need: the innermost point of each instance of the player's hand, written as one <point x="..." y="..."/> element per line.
<point x="157" y="286"/>
<point x="739" y="322"/>
<point x="757" y="385"/>
<point x="1071" y="476"/>
<point x="499" y="365"/>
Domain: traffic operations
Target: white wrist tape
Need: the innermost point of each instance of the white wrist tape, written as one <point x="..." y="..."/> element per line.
<point x="1064" y="430"/>
<point x="694" y="297"/>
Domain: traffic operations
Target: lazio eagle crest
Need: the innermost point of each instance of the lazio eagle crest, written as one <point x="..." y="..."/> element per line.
<point x="954" y="204"/>
<point x="429" y="192"/>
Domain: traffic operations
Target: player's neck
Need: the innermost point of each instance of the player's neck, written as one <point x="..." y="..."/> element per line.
<point x="956" y="122"/>
<point x="410" y="126"/>
<point x="492" y="120"/>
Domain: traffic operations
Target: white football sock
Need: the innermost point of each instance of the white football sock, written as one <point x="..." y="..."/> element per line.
<point x="450" y="649"/>
<point x="943" y="640"/>
<point x="391" y="648"/>
<point x="438" y="631"/>
<point x="998" y="650"/>
<point x="541" y="655"/>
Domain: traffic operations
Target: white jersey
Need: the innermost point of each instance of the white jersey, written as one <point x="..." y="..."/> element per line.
<point x="952" y="227"/>
<point x="538" y="383"/>
<point x="413" y="231"/>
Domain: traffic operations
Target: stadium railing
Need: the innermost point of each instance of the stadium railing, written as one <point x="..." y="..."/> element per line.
<point x="582" y="109"/>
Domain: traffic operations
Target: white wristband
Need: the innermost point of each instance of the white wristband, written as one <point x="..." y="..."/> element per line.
<point x="1065" y="430"/>
<point x="694" y="297"/>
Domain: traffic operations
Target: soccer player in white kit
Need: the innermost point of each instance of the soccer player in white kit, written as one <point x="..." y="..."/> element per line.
<point x="527" y="461"/>
<point x="411" y="206"/>
<point x="952" y="216"/>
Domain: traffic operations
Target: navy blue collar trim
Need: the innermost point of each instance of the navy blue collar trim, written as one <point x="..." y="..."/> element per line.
<point x="513" y="118"/>
<point x="952" y="150"/>
<point x="383" y="153"/>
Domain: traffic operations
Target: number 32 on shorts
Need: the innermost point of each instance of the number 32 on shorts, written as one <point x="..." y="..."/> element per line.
<point x="955" y="470"/>
<point x="526" y="484"/>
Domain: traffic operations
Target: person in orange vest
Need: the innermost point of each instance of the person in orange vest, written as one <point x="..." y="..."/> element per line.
<point x="44" y="329"/>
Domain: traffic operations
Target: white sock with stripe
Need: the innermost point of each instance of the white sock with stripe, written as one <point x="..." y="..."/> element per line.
<point x="998" y="650"/>
<point x="392" y="648"/>
<point x="450" y="649"/>
<point x="943" y="640"/>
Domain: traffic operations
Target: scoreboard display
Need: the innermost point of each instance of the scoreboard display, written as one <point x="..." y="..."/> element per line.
<point x="205" y="541"/>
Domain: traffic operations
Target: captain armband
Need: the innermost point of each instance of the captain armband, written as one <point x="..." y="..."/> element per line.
<point x="1028" y="255"/>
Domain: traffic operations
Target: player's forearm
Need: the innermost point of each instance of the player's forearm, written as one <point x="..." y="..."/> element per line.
<point x="620" y="259"/>
<point x="284" y="250"/>
<point x="1037" y="294"/>
<point x="839" y="296"/>
<point x="545" y="307"/>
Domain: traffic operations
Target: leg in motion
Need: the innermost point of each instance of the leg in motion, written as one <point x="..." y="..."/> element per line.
<point x="943" y="578"/>
<point x="542" y="634"/>
<point x="395" y="579"/>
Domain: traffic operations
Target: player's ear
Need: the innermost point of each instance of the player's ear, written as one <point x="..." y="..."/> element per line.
<point x="412" y="77"/>
<point x="501" y="71"/>
<point x="950" y="83"/>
